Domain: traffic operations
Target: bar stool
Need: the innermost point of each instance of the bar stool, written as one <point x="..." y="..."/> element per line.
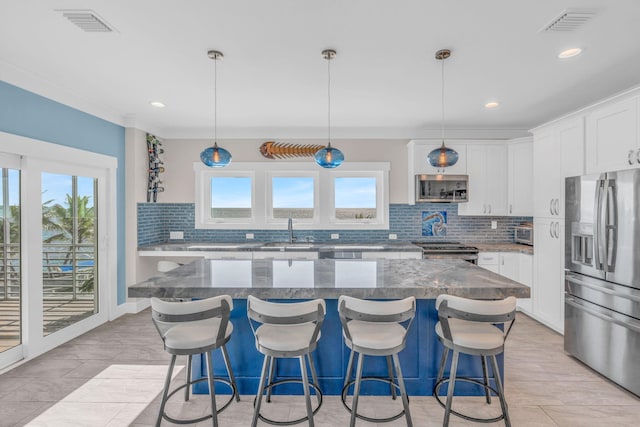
<point x="375" y="328"/>
<point x="189" y="328"/>
<point x="286" y="330"/>
<point x="469" y="326"/>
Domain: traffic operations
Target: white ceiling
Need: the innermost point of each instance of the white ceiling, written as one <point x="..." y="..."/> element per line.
<point x="273" y="80"/>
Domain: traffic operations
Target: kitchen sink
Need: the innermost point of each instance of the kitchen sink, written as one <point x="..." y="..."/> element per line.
<point x="357" y="247"/>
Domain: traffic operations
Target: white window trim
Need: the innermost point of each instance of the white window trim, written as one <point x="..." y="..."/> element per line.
<point x="324" y="200"/>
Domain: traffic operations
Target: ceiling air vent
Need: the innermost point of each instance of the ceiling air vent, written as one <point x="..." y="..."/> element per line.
<point x="569" y="20"/>
<point x="87" y="20"/>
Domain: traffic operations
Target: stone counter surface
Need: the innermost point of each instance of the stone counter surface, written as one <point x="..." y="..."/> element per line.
<point x="278" y="246"/>
<point x="327" y="278"/>
<point x="503" y="247"/>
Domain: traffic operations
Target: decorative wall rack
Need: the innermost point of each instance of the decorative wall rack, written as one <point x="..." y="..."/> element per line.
<point x="156" y="167"/>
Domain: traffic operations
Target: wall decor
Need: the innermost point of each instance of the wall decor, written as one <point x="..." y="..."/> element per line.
<point x="283" y="150"/>
<point x="434" y="223"/>
<point x="156" y="167"/>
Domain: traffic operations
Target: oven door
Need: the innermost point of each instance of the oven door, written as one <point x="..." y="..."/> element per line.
<point x="469" y="257"/>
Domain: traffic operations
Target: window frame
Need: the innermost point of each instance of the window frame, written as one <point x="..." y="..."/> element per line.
<point x="262" y="198"/>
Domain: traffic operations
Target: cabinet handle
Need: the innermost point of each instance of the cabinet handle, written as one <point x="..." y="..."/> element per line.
<point x="630" y="157"/>
<point x="638" y="155"/>
<point x="510" y="208"/>
<point x="557" y="230"/>
<point x="551" y="207"/>
<point x="551" y="229"/>
<point x="489" y="208"/>
<point x="484" y="208"/>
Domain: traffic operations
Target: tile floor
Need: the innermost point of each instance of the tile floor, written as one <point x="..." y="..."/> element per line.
<point x="89" y="382"/>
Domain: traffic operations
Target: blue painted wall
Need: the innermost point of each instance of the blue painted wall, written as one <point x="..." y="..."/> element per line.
<point x="27" y="114"/>
<point x="155" y="220"/>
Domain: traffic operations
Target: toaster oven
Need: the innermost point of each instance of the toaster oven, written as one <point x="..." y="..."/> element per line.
<point x="523" y="234"/>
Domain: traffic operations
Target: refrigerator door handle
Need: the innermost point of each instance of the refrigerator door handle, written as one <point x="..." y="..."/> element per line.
<point x="598" y="238"/>
<point x="611" y="226"/>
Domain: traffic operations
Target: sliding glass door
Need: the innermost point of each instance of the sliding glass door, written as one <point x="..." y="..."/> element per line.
<point x="10" y="264"/>
<point x="69" y="250"/>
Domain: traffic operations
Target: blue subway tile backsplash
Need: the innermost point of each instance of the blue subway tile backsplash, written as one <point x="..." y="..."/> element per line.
<point x="155" y="220"/>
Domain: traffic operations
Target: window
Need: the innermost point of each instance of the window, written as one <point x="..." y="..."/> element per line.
<point x="262" y="195"/>
<point x="231" y="197"/>
<point x="293" y="196"/>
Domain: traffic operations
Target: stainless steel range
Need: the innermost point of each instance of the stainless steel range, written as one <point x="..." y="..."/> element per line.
<point x="448" y="250"/>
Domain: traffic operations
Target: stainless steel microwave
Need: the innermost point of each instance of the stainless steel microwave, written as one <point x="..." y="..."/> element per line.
<point x="442" y="188"/>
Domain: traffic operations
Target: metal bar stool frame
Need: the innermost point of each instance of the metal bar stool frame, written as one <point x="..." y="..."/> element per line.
<point x="368" y="314"/>
<point x="490" y="313"/>
<point x="265" y="313"/>
<point x="168" y="315"/>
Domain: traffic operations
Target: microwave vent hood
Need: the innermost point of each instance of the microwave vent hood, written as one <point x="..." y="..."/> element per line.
<point x="442" y="188"/>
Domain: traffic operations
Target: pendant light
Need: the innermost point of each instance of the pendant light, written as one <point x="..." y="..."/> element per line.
<point x="215" y="157"/>
<point x="443" y="156"/>
<point x="329" y="157"/>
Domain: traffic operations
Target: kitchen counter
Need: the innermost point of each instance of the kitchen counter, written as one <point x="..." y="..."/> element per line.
<point x="293" y="279"/>
<point x="163" y="248"/>
<point x="503" y="247"/>
<point x="326" y="278"/>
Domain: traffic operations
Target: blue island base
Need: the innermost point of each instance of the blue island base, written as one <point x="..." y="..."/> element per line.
<point x="419" y="360"/>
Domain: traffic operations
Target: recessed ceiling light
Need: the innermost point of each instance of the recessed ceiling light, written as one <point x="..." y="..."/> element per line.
<point x="157" y="104"/>
<point x="569" y="53"/>
<point x="492" y="104"/>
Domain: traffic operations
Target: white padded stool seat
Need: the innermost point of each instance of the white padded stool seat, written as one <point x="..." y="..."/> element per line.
<point x="286" y="337"/>
<point x="480" y="336"/>
<point x="376" y="336"/>
<point x="196" y="334"/>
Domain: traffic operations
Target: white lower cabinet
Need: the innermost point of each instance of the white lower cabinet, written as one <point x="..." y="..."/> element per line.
<point x="512" y="265"/>
<point x="548" y="279"/>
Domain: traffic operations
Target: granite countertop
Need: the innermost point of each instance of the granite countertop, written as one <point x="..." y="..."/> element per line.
<point x="279" y="246"/>
<point x="503" y="247"/>
<point x="327" y="278"/>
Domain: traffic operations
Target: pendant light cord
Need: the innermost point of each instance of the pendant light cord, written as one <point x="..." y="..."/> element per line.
<point x="442" y="103"/>
<point x="215" y="101"/>
<point x="329" y="99"/>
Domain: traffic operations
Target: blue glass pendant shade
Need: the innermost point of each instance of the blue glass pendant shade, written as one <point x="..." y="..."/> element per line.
<point x="442" y="157"/>
<point x="329" y="157"/>
<point x="215" y="157"/>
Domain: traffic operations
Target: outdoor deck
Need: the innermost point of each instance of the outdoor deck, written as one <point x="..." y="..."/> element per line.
<point x="58" y="313"/>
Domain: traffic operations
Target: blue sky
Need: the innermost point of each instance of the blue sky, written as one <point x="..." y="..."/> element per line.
<point x="56" y="187"/>
<point x="235" y="192"/>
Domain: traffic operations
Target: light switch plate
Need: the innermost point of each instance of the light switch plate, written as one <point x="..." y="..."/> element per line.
<point x="248" y="236"/>
<point x="335" y="236"/>
<point x="494" y="225"/>
<point x="393" y="236"/>
<point x="174" y="235"/>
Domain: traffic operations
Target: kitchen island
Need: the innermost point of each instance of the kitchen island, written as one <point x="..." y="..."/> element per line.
<point x="294" y="279"/>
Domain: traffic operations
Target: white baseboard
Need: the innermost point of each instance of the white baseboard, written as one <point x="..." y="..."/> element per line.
<point x="131" y="307"/>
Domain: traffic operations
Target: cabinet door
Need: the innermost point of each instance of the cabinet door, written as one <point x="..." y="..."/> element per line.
<point x="476" y="190"/>
<point x="489" y="261"/>
<point x="421" y="164"/>
<point x="495" y="179"/>
<point x="547" y="175"/>
<point x="510" y="265"/>
<point x="548" y="289"/>
<point x="611" y="136"/>
<point x="520" y="179"/>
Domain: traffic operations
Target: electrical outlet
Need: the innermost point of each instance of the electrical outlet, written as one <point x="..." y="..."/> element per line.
<point x="393" y="236"/>
<point x="335" y="236"/>
<point x="494" y="225"/>
<point x="176" y="235"/>
<point x="248" y="236"/>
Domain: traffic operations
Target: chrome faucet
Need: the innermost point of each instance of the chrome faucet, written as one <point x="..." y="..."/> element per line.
<point x="290" y="228"/>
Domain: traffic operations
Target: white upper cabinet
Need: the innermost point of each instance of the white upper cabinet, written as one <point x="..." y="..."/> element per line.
<point x="558" y="152"/>
<point x="520" y="177"/>
<point x="613" y="142"/>
<point x="418" y="151"/>
<point x="487" y="170"/>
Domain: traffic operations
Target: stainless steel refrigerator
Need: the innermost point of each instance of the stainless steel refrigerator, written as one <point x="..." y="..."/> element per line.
<point x="602" y="279"/>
